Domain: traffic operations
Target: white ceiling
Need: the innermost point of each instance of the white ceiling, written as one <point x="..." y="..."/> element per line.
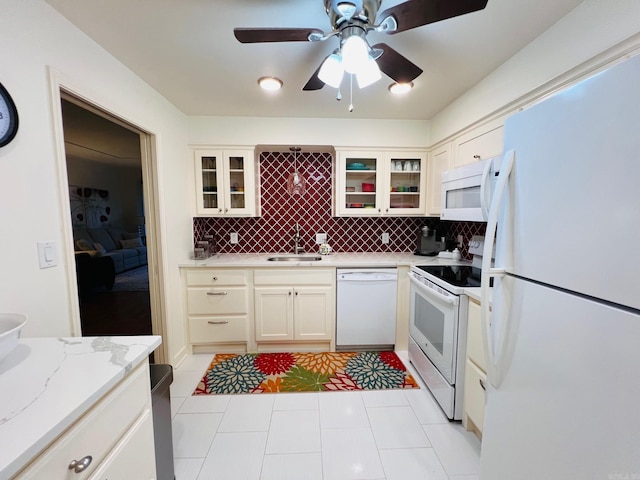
<point x="186" y="50"/>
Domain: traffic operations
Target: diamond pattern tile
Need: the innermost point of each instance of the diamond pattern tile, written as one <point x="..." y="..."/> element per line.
<point x="273" y="231"/>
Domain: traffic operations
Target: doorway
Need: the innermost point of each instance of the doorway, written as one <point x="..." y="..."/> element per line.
<point x="104" y="171"/>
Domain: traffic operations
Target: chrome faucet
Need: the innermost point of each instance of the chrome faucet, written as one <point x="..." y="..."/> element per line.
<point x="296" y="240"/>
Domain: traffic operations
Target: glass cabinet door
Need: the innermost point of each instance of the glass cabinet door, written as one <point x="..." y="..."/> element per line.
<point x="237" y="182"/>
<point x="406" y="180"/>
<point x="208" y="180"/>
<point x="360" y="183"/>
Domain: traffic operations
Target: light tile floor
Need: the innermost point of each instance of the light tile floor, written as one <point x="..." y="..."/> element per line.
<point x="376" y="435"/>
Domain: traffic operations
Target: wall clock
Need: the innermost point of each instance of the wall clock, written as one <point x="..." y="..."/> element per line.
<point x="8" y="117"/>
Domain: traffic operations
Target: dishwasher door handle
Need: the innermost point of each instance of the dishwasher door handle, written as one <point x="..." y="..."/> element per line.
<point x="367" y="277"/>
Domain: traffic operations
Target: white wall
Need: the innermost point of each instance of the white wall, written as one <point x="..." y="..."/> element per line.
<point x="33" y="37"/>
<point x="308" y="131"/>
<point x="588" y="31"/>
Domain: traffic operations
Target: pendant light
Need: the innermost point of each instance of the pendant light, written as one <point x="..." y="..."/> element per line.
<point x="296" y="183"/>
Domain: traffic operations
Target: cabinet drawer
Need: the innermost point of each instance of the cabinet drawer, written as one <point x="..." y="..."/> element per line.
<point x="475" y="341"/>
<point x="134" y="456"/>
<point x="210" y="277"/>
<point x="218" y="329"/>
<point x="303" y="276"/>
<point x="217" y="301"/>
<point x="474" y="394"/>
<point x="96" y="433"/>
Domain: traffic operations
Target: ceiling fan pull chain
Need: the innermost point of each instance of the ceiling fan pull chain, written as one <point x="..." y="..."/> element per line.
<point x="339" y="96"/>
<point x="351" y="93"/>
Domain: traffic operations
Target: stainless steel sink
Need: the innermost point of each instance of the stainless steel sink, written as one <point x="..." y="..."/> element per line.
<point x="297" y="258"/>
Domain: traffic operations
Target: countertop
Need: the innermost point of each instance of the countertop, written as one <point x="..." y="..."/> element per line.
<point x="46" y="384"/>
<point x="347" y="259"/>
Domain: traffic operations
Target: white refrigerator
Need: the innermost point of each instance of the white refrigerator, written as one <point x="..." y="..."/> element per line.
<point x="563" y="337"/>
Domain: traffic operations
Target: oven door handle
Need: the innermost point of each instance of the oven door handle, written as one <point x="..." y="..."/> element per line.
<point x="429" y="292"/>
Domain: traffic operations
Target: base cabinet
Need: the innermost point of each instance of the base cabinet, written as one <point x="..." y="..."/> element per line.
<point x="294" y="307"/>
<point x="114" y="439"/>
<point x="218" y="308"/>
<point x="475" y="372"/>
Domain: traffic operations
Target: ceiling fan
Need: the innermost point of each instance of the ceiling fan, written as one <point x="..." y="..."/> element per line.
<point x="351" y="21"/>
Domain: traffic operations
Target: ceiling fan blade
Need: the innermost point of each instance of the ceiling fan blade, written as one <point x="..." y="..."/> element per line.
<point x="415" y="13"/>
<point x="396" y="66"/>
<point x="314" y="82"/>
<point x="259" y="35"/>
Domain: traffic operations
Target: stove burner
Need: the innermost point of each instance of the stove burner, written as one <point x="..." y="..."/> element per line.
<point x="460" y="276"/>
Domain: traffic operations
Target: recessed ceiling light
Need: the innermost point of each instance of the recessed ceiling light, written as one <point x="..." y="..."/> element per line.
<point x="270" y="83"/>
<point x="400" y="88"/>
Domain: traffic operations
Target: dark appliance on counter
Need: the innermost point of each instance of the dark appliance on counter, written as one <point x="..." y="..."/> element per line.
<point x="428" y="244"/>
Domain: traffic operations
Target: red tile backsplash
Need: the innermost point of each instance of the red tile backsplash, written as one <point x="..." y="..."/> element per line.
<point x="273" y="231"/>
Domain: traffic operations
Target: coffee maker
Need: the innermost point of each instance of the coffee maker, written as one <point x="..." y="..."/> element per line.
<point x="428" y="244"/>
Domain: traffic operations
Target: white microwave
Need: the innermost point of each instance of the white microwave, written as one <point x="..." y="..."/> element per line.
<point x="466" y="191"/>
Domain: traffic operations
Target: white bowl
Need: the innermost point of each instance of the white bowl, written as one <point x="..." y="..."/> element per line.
<point x="10" y="327"/>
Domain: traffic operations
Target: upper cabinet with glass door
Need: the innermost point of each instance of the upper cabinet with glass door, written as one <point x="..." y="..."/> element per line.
<point x="359" y="183"/>
<point x="225" y="183"/>
<point x="374" y="183"/>
<point x="405" y="180"/>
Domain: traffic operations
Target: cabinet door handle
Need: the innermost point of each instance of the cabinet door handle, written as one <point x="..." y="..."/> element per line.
<point x="81" y="465"/>
<point x="219" y="210"/>
<point x="226" y="210"/>
<point x="482" y="384"/>
<point x="216" y="293"/>
<point x="296" y="293"/>
<point x="221" y="322"/>
<point x="289" y="292"/>
<point x="214" y="279"/>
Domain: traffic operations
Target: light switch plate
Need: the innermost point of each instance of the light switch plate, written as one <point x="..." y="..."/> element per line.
<point x="385" y="238"/>
<point x="233" y="237"/>
<point x="47" y="254"/>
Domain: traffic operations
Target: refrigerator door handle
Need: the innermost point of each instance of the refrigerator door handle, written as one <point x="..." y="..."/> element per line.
<point x="494" y="375"/>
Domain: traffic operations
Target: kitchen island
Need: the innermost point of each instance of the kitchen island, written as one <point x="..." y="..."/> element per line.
<point x="75" y="396"/>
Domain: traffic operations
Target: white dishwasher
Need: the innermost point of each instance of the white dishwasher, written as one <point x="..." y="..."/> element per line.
<point x="366" y="308"/>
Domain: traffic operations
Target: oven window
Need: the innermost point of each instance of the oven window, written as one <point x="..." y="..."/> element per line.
<point x="468" y="197"/>
<point x="430" y="322"/>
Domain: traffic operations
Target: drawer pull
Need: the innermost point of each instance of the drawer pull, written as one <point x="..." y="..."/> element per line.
<point x="221" y="322"/>
<point x="214" y="278"/>
<point x="482" y="384"/>
<point x="81" y="465"/>
<point x="216" y="293"/>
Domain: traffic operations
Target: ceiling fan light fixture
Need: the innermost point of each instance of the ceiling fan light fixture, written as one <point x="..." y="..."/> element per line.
<point x="270" y="84"/>
<point x="355" y="53"/>
<point x="369" y="73"/>
<point x="400" y="88"/>
<point x="332" y="71"/>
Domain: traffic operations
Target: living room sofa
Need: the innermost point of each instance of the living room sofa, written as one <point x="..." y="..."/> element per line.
<point x="124" y="248"/>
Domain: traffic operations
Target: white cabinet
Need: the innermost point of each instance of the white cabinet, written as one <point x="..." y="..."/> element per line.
<point x="479" y="144"/>
<point x="475" y="372"/>
<point x="439" y="161"/>
<point x="114" y="439"/>
<point x="294" y="306"/>
<point x="218" y="307"/>
<point x="377" y="182"/>
<point x="226" y="182"/>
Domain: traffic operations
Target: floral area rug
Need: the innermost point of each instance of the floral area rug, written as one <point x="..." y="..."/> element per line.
<point x="304" y="372"/>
